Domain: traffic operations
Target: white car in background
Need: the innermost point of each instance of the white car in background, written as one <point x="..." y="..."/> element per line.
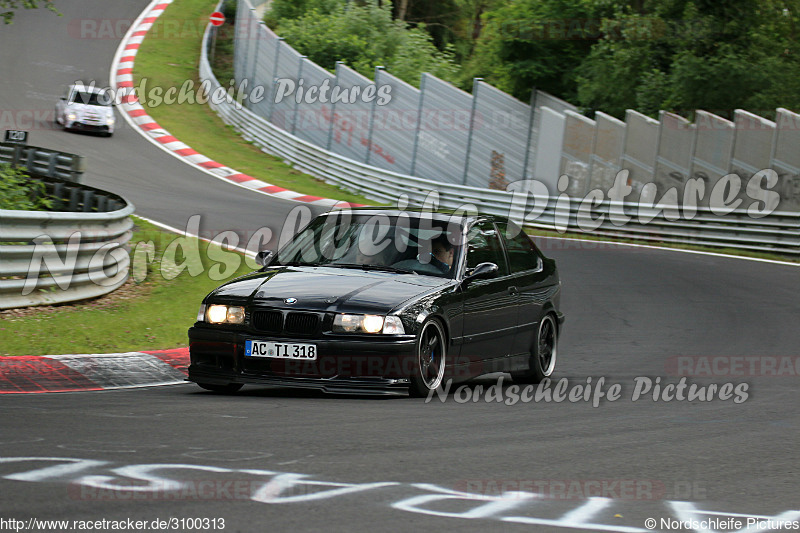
<point x="86" y="108"/>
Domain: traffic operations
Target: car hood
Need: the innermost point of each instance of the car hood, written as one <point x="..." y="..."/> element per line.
<point x="329" y="289"/>
<point x="80" y="109"/>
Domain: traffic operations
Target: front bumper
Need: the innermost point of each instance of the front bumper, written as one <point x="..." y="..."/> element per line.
<point x="83" y="126"/>
<point x="345" y="364"/>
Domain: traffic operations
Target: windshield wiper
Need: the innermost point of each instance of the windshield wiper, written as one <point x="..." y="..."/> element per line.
<point x="383" y="268"/>
<point x="297" y="264"/>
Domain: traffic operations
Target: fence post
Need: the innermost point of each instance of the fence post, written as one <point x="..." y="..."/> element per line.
<point x="333" y="109"/>
<point x="419" y="123"/>
<point x="378" y="70"/>
<point x="248" y="36"/>
<point x="255" y="55"/>
<point x="303" y="59"/>
<point x="236" y="40"/>
<point x="274" y="77"/>
<point x="475" y="86"/>
<point x="530" y="135"/>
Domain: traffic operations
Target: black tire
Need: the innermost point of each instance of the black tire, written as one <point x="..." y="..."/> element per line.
<point x="431" y="356"/>
<point x="230" y="388"/>
<point x="544" y="353"/>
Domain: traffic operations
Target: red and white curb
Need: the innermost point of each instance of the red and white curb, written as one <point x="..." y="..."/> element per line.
<point x="121" y="79"/>
<point x="92" y="372"/>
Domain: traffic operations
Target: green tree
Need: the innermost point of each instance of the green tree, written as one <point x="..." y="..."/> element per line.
<point x="283" y="10"/>
<point x="365" y="36"/>
<point x="683" y="55"/>
<point x="534" y="43"/>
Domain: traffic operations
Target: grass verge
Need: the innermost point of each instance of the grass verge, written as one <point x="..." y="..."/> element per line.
<point x="167" y="58"/>
<point x="153" y="314"/>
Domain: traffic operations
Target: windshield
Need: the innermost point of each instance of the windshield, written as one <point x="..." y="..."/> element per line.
<point x="417" y="245"/>
<point x="83" y="97"/>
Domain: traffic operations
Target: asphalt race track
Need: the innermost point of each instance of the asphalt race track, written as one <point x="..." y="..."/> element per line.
<point x="277" y="460"/>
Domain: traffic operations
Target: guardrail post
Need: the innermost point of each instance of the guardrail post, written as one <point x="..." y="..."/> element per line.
<point x="530" y="134"/>
<point x="16" y="158"/>
<point x="31" y="164"/>
<point x="74" y="193"/>
<point x="419" y="124"/>
<point x="78" y="168"/>
<point x="51" y="166"/>
<point x="58" y="196"/>
<point x="88" y="200"/>
<point x="475" y="86"/>
<point x="372" y="115"/>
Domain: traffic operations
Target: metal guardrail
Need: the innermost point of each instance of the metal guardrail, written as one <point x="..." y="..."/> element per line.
<point x="44" y="162"/>
<point x="778" y="232"/>
<point x="78" y="252"/>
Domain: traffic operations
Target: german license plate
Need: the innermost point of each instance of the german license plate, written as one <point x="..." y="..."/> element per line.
<point x="280" y="350"/>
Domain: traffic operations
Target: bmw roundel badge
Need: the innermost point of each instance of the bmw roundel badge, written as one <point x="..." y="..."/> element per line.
<point x="290" y="300"/>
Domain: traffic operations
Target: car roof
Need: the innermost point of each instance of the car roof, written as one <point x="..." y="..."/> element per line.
<point x="88" y="88"/>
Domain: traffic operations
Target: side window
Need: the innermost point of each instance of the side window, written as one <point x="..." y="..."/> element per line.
<point x="522" y="254"/>
<point x="483" y="245"/>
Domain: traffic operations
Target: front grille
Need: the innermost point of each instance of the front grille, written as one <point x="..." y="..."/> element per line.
<point x="92" y="118"/>
<point x="268" y="321"/>
<point x="295" y="323"/>
<point x="302" y="323"/>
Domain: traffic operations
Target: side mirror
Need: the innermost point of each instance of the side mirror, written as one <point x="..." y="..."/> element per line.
<point x="264" y="257"/>
<point x="482" y="271"/>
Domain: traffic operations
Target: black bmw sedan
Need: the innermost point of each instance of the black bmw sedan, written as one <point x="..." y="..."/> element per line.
<point x="384" y="301"/>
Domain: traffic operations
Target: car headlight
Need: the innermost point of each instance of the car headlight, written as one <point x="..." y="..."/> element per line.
<point x="71" y="116"/>
<point x="223" y="314"/>
<point x="389" y="325"/>
<point x="110" y="120"/>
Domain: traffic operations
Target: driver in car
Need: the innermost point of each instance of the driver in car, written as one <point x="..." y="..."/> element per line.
<point x="442" y="253"/>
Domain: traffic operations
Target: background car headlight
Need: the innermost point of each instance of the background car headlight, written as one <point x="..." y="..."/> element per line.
<point x="225" y="314"/>
<point x="390" y="325"/>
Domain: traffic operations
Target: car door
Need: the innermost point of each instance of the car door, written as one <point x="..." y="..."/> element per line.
<point x="490" y="305"/>
<point x="529" y="276"/>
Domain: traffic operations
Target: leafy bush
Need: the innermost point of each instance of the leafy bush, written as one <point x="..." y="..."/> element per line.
<point x="283" y="10"/>
<point x="363" y="37"/>
<point x="19" y="192"/>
